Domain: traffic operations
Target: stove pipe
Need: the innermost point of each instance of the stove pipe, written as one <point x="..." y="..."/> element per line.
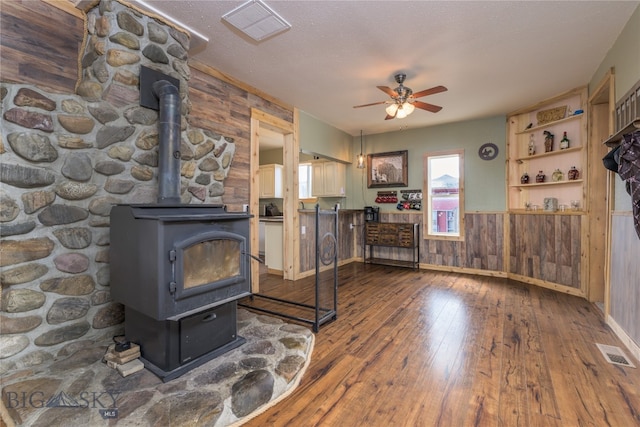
<point x="168" y="142"/>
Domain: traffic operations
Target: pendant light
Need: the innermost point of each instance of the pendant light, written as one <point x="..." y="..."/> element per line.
<point x="361" y="156"/>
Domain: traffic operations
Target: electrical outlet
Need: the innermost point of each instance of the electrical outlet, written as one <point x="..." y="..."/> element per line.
<point x="303" y="229"/>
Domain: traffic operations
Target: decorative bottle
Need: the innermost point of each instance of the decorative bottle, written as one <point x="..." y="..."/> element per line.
<point x="524" y="179"/>
<point x="557" y="175"/>
<point x="564" y="142"/>
<point x="573" y="173"/>
<point x="548" y="141"/>
<point x="532" y="146"/>
<point x="540" y="177"/>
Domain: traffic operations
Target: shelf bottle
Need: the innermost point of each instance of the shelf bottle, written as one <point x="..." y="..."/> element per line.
<point x="564" y="142"/>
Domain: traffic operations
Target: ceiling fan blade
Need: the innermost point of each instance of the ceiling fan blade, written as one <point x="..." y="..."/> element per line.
<point x="425" y="106"/>
<point x="431" y="91"/>
<point x="368" y="105"/>
<point x="386" y="89"/>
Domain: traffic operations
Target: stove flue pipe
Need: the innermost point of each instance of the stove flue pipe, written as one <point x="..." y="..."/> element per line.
<point x="168" y="142"/>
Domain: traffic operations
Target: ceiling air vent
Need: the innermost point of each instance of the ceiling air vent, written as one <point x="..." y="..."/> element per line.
<point x="257" y="20"/>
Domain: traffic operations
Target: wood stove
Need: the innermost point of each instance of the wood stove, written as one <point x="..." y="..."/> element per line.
<point x="179" y="270"/>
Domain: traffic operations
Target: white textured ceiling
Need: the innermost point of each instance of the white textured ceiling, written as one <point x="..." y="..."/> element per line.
<point x="493" y="56"/>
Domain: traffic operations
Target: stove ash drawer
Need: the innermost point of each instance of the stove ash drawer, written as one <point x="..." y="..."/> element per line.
<point x="205" y="331"/>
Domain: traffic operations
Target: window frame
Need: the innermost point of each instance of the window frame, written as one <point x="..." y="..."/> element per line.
<point x="426" y="202"/>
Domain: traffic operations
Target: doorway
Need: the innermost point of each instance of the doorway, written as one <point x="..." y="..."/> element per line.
<point x="270" y="126"/>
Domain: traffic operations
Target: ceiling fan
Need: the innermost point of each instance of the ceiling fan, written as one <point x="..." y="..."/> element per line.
<point x="403" y="100"/>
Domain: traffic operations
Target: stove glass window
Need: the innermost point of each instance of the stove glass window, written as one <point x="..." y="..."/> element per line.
<point x="211" y="261"/>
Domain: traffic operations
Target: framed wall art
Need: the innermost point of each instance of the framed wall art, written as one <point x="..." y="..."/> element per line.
<point x="388" y="169"/>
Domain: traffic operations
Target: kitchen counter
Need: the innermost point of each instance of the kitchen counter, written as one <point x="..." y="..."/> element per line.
<point x="271" y="219"/>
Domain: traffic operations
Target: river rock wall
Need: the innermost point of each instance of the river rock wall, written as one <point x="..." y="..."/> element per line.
<point x="66" y="159"/>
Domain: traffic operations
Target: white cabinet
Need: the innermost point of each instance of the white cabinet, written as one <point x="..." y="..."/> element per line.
<point x="328" y="179"/>
<point x="273" y="245"/>
<point x="271" y="181"/>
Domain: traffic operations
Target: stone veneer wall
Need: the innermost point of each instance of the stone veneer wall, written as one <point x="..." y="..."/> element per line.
<point x="65" y="160"/>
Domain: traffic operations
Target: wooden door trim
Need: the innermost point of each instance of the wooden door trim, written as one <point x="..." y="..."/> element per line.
<point x="290" y="159"/>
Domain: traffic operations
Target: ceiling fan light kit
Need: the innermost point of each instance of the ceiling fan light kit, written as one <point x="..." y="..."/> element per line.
<point x="400" y="111"/>
<point x="403" y="100"/>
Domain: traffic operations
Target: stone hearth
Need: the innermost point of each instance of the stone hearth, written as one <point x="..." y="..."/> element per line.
<point x="80" y="390"/>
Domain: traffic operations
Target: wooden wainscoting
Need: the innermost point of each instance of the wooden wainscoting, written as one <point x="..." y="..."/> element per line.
<point x="546" y="248"/>
<point x="482" y="249"/>
<point x="625" y="276"/>
<point x="349" y="238"/>
<point x="428" y="348"/>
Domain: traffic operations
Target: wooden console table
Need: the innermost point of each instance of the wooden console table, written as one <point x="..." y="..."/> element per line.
<point x="391" y="235"/>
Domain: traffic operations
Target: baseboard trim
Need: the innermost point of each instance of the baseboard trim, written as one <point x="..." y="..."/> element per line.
<point x="626" y="339"/>
<point x="463" y="270"/>
<point x="549" y="285"/>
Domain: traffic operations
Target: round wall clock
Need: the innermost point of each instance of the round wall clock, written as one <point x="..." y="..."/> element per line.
<point x="488" y="151"/>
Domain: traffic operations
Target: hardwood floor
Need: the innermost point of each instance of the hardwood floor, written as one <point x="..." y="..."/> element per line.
<point x="442" y="349"/>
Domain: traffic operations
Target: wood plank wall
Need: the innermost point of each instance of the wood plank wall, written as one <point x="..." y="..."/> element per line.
<point x="349" y="239"/>
<point x="39" y="45"/>
<point x="482" y="248"/>
<point x="546" y="247"/>
<point x="226" y="109"/>
<point x="625" y="275"/>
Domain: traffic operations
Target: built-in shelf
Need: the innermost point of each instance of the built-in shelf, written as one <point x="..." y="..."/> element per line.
<point x="614" y="140"/>
<point x="543" y="184"/>
<point x="548" y="153"/>
<point x="547" y="125"/>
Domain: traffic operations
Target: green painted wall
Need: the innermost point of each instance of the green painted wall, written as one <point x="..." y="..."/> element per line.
<point x="323" y="139"/>
<point x="624" y="57"/>
<point x="484" y="180"/>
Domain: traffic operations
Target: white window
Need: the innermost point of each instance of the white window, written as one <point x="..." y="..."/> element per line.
<point x="305" y="175"/>
<point x="444" y="195"/>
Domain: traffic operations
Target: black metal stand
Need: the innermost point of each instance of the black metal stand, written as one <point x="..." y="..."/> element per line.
<point x="326" y="253"/>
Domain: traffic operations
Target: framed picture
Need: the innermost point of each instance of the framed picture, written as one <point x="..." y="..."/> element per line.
<point x="387" y="169"/>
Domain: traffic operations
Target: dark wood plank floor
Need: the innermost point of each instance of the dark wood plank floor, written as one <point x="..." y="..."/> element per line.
<point x="442" y="349"/>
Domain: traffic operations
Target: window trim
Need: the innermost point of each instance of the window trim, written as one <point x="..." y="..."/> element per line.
<point x="426" y="215"/>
